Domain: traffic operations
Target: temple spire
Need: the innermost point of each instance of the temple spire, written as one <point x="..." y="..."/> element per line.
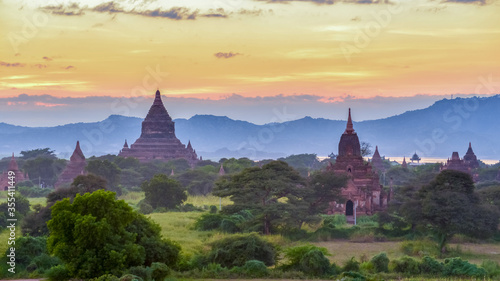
<point x="13" y="164"/>
<point x="126" y="144"/>
<point x="349" y="128"/>
<point x="221" y="170"/>
<point x="404" y="165"/>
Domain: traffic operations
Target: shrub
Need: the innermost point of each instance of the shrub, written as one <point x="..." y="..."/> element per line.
<point x="130" y="277"/>
<point x="58" y="273"/>
<point x="213" y="209"/>
<point x="492" y="268"/>
<point x="406" y="265"/>
<point x="209" y="221"/>
<point x="159" y="271"/>
<point x="419" y="248"/>
<point x="141" y="271"/>
<point x="353" y="276"/>
<point x="44" y="262"/>
<point x="238" y="249"/>
<point x="315" y="263"/>
<point x="380" y="262"/>
<point x="144" y="207"/>
<point x="430" y="265"/>
<point x="107" y="277"/>
<point x="367" y="267"/>
<point x="309" y="259"/>
<point x="255" y="269"/>
<point x="459" y="267"/>
<point x="351" y="265"/>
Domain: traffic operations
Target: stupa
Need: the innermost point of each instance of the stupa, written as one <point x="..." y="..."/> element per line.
<point x="363" y="194"/>
<point x="75" y="167"/>
<point x="377" y="162"/>
<point x="158" y="140"/>
<point x="5" y="178"/>
<point x="470" y="158"/>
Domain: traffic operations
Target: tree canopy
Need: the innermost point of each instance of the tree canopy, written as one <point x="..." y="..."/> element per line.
<point x="97" y="234"/>
<point x="162" y="191"/>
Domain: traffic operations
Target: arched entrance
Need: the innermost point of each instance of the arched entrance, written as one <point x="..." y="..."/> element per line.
<point x="349" y="208"/>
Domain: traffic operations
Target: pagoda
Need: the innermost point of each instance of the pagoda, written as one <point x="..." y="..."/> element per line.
<point x="470" y="158"/>
<point x="75" y="167"/>
<point x="377" y="163"/>
<point x="18" y="176"/>
<point x="363" y="194"/>
<point x="158" y="140"/>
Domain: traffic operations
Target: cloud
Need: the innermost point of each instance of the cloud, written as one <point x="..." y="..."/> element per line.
<point x="72" y="9"/>
<point x="14" y="64"/>
<point x="40" y="66"/>
<point x="69" y="67"/>
<point x="329" y="2"/>
<point x="221" y="55"/>
<point x="480" y="2"/>
<point x="47" y="58"/>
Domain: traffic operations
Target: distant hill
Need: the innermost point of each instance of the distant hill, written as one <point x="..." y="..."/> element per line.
<point x="436" y="131"/>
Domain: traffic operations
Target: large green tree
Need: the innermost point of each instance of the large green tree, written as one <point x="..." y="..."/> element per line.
<point x="448" y="205"/>
<point x="272" y="193"/>
<point x="162" y="191"/>
<point x="97" y="234"/>
<point x="105" y="169"/>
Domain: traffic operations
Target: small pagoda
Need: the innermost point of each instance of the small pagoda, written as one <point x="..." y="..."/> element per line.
<point x="377" y="162"/>
<point x="18" y="177"/>
<point x="75" y="167"/>
<point x="158" y="140"/>
<point x="470" y="158"/>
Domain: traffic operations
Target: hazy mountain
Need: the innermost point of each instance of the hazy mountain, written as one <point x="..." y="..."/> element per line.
<point x="436" y="131"/>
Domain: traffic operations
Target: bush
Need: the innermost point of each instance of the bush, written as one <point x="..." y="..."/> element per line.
<point x="238" y="249"/>
<point x="419" y="248"/>
<point x="459" y="267"/>
<point x="44" y="262"/>
<point x="430" y="266"/>
<point x="492" y="268"/>
<point x="353" y="276"/>
<point x="144" y="208"/>
<point x="107" y="277"/>
<point x="213" y="209"/>
<point x="367" y="267"/>
<point x="380" y="262"/>
<point x="406" y="265"/>
<point x="159" y="271"/>
<point x="315" y="263"/>
<point x="130" y="277"/>
<point x="309" y="259"/>
<point x="255" y="269"/>
<point x="141" y="271"/>
<point x="58" y="273"/>
<point x="209" y="222"/>
<point x="351" y="265"/>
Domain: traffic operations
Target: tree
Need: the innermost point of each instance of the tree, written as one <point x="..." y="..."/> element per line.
<point x="162" y="191"/>
<point x="366" y="149"/>
<point x="323" y="187"/>
<point x="39" y="152"/>
<point x="197" y="182"/>
<point x="449" y="205"/>
<point x="272" y="193"/>
<point x="44" y="168"/>
<point x="97" y="234"/>
<point x="106" y="169"/>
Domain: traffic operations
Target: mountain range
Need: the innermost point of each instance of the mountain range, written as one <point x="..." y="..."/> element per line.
<point x="446" y="126"/>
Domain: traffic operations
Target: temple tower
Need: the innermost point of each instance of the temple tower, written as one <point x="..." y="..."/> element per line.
<point x="75" y="167"/>
<point x="18" y="175"/>
<point x="158" y="140"/>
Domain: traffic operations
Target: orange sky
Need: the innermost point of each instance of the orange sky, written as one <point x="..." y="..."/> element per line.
<point x="403" y="48"/>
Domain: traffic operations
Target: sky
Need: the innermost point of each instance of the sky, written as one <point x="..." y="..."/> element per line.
<point x="65" y="61"/>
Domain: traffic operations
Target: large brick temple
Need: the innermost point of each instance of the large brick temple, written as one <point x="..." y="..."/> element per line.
<point x="362" y="193"/>
<point x="158" y="140"/>
<point x="19" y="176"/>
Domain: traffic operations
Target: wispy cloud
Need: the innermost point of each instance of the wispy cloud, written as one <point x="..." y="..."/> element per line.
<point x="47" y="58"/>
<point x="12" y="64"/>
<point x="479" y="2"/>
<point x="174" y="13"/>
<point x="222" y="55"/>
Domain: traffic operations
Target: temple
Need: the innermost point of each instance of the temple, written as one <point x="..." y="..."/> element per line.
<point x="377" y="163"/>
<point x="158" y="140"/>
<point x="470" y="158"/>
<point x="75" y="167"/>
<point x="5" y="178"/>
<point x="404" y="164"/>
<point x="467" y="165"/>
<point x="363" y="195"/>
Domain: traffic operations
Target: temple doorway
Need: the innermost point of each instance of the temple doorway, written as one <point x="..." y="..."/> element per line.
<point x="349" y="208"/>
